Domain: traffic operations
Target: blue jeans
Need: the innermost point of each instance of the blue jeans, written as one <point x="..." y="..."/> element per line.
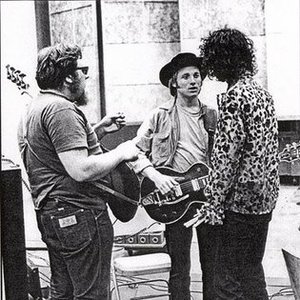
<point x="79" y="242"/>
<point x="179" y="239"/>
<point x="240" y="274"/>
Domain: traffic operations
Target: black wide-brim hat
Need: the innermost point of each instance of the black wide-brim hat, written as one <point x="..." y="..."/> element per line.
<point x="178" y="62"/>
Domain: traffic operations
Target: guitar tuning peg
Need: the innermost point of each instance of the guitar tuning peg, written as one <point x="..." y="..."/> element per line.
<point x="18" y="79"/>
<point x="15" y="75"/>
<point x="8" y="68"/>
<point x="24" y="86"/>
<point x="21" y="83"/>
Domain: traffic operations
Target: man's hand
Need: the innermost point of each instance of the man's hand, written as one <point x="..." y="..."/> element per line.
<point x="110" y="123"/>
<point x="128" y="151"/>
<point x="114" y="122"/>
<point x="164" y="183"/>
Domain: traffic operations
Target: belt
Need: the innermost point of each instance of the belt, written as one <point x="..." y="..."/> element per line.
<point x="54" y="203"/>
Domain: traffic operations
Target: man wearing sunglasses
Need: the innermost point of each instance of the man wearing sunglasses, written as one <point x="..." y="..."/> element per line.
<point x="63" y="159"/>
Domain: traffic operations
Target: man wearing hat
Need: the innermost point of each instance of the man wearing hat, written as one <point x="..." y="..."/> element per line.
<point x="177" y="135"/>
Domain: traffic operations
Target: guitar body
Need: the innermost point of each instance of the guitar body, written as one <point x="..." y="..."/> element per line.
<point x="123" y="180"/>
<point x="170" y="211"/>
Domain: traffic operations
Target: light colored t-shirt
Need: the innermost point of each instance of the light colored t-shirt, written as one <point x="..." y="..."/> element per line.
<point x="193" y="140"/>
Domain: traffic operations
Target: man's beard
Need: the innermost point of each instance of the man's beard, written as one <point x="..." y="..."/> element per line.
<point x="82" y="100"/>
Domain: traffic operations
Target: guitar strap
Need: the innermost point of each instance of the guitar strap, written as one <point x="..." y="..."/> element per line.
<point x="114" y="193"/>
<point x="210" y="125"/>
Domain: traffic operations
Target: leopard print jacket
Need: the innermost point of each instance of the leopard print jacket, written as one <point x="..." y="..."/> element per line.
<point x="244" y="173"/>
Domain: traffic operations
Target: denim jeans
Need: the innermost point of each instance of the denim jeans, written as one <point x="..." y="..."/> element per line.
<point x="208" y="243"/>
<point x="79" y="242"/>
<point x="179" y="239"/>
<point x="240" y="273"/>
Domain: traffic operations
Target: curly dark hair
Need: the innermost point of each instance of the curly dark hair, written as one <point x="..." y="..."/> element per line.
<point x="55" y="63"/>
<point x="228" y="54"/>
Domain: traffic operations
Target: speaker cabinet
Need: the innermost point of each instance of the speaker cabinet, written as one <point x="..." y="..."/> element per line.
<point x="13" y="250"/>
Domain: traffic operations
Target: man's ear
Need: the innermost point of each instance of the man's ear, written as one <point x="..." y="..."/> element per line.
<point x="69" y="79"/>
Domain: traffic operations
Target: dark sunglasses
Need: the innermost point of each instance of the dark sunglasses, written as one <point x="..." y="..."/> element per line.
<point x="83" y="69"/>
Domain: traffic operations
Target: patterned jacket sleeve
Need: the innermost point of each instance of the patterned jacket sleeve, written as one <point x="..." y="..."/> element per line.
<point x="229" y="139"/>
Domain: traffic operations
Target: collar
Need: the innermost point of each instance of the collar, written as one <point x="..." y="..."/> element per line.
<point x="56" y="93"/>
<point x="169" y="105"/>
<point x="243" y="78"/>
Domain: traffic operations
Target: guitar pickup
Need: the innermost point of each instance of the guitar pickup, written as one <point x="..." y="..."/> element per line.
<point x="178" y="191"/>
<point x="204" y="181"/>
<point x="195" y="185"/>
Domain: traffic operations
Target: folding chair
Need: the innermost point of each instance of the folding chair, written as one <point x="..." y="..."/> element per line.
<point x="132" y="266"/>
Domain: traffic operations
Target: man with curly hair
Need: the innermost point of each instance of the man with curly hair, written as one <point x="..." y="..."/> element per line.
<point x="63" y="159"/>
<point x="243" y="182"/>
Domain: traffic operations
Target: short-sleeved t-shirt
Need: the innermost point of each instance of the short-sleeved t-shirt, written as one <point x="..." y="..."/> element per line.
<point x="56" y="125"/>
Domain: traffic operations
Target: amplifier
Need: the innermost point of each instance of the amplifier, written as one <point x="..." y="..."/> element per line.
<point x="153" y="239"/>
<point x="13" y="252"/>
<point x="143" y="239"/>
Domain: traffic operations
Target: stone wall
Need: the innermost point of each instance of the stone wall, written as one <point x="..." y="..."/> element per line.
<point x="198" y="17"/>
<point x="139" y="38"/>
<point x="75" y="22"/>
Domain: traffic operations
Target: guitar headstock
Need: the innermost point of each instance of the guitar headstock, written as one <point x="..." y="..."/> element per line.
<point x="17" y="77"/>
<point x="290" y="153"/>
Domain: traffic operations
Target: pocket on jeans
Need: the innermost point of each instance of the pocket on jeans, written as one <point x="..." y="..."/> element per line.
<point x="74" y="230"/>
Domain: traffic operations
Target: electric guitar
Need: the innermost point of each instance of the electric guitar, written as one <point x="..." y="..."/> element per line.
<point x="123" y="192"/>
<point x="172" y="207"/>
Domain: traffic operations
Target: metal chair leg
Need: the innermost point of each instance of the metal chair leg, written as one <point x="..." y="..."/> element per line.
<point x="116" y="287"/>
